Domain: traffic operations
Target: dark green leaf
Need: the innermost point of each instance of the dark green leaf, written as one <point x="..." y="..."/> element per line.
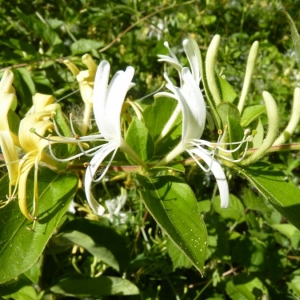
<point x="295" y="37"/>
<point x="13" y="121"/>
<point x="276" y="187"/>
<point x="20" y="45"/>
<point x="41" y="29"/>
<point x="95" y="287"/>
<point x="174" y="207"/>
<point x="101" y="241"/>
<point x="24" y="85"/>
<point x="19" y="290"/>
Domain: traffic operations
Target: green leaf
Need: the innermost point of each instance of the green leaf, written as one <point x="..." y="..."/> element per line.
<point x="259" y="134"/>
<point x="94" y="287"/>
<point x="173" y="205"/>
<point x="253" y="202"/>
<point x="254" y="254"/>
<point x="19" y="290"/>
<point x="236" y="135"/>
<point x="41" y="29"/>
<point x="286" y="229"/>
<point x="24" y="85"/>
<point x="226" y="110"/>
<point x="20" y="247"/>
<point x="294" y="284"/>
<point x="13" y="122"/>
<point x="246" y="287"/>
<point x="234" y="211"/>
<point x="101" y="241"/>
<point x="228" y="94"/>
<point x="276" y="187"/>
<point x="140" y="140"/>
<point x="179" y="260"/>
<point x="295" y="37"/>
<point x="251" y="113"/>
<point x="20" y="45"/>
<point x="157" y="115"/>
<point x="62" y="150"/>
<point x="290" y="231"/>
<point x="83" y="46"/>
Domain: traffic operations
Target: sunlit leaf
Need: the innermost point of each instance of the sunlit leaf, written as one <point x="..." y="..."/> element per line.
<point x="276" y="187"/>
<point x="83" y="46"/>
<point x="21" y="247"/>
<point x="226" y="110"/>
<point x="227" y="92"/>
<point x="140" y="140"/>
<point x="251" y="113"/>
<point x="174" y="207"/>
<point x="245" y="287"/>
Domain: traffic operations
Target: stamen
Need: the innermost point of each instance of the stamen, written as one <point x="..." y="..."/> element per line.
<point x="106" y="167"/>
<point x="206" y="170"/>
<point x="8" y="200"/>
<point x="90" y="152"/>
<point x="219" y="145"/>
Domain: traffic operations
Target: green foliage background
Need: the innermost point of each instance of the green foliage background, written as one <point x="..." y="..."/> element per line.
<point x="252" y="251"/>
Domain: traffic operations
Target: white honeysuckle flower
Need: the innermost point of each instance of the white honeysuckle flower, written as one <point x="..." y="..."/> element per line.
<point x="107" y="106"/>
<point x="192" y="52"/>
<point x="193" y="109"/>
<point x="114" y="207"/>
<point x="193" y="55"/>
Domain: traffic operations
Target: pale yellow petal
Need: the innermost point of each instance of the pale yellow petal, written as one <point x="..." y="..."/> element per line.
<point x="71" y="67"/>
<point x="25" y="167"/>
<point x="6" y="82"/>
<point x="40" y="101"/>
<point x="10" y="155"/>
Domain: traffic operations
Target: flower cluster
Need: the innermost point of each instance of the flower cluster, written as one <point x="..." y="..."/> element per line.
<point x="39" y="130"/>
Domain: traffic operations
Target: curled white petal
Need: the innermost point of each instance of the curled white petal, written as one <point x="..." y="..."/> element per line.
<point x="218" y="172"/>
<point x="90" y="174"/>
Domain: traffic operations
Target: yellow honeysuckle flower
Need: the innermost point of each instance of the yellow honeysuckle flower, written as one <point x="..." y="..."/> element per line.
<point x="33" y="144"/>
<point x="86" y="85"/>
<point x="7" y="138"/>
